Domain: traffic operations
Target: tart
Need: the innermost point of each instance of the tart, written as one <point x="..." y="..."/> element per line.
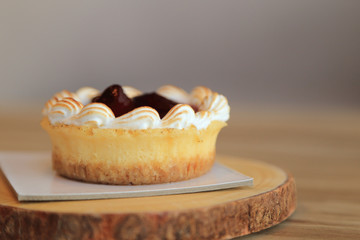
<point x="122" y="136"/>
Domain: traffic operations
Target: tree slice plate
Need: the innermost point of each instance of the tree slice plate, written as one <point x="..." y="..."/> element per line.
<point x="221" y="214"/>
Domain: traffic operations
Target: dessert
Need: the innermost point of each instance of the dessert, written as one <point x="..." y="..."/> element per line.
<point x="122" y="136"/>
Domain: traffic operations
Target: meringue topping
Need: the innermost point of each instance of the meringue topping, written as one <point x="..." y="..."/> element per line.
<point x="64" y="109"/>
<point x="139" y="118"/>
<point x="76" y="108"/>
<point x="181" y="116"/>
<point x="94" y="114"/>
<point x="131" y="92"/>
<point x="85" y="94"/>
<point x="175" y="94"/>
<point x="57" y="97"/>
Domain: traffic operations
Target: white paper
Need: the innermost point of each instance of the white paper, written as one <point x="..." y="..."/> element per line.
<point x="32" y="178"/>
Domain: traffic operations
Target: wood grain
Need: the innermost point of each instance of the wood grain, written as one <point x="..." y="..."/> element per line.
<point x="320" y="148"/>
<point x="209" y="215"/>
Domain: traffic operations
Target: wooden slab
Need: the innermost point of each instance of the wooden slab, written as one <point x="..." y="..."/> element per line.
<point x="209" y="215"/>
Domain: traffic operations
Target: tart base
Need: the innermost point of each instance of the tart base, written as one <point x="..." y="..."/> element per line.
<point x="135" y="174"/>
<point x="124" y="156"/>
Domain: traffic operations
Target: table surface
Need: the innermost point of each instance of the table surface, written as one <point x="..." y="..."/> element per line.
<point x="320" y="148"/>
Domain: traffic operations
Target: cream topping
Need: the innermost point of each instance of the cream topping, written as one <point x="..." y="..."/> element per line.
<point x="57" y="97"/>
<point x="218" y="106"/>
<point x="64" y="109"/>
<point x="94" y="114"/>
<point x="86" y="94"/>
<point x="131" y="92"/>
<point x="174" y="94"/>
<point x="180" y="116"/>
<point x="139" y="118"/>
<point x="76" y="108"/>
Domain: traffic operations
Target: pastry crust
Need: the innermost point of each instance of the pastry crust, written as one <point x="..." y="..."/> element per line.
<point x="132" y="156"/>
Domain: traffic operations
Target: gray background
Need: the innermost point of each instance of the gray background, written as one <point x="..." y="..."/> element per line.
<point x="297" y="53"/>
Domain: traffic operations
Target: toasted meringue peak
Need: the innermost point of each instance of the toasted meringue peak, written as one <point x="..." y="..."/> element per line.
<point x="175" y="94"/>
<point x="94" y="114"/>
<point x="64" y="109"/>
<point x="218" y="105"/>
<point x="57" y="97"/>
<point x="64" y="94"/>
<point x="180" y="116"/>
<point x="131" y="92"/>
<point x="139" y="118"/>
<point x="48" y="105"/>
<point x="86" y="94"/>
<point x="199" y="93"/>
<point x="68" y="108"/>
<point x="203" y="119"/>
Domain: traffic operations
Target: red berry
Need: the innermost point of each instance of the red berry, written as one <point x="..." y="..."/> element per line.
<point x="115" y="98"/>
<point x="154" y="100"/>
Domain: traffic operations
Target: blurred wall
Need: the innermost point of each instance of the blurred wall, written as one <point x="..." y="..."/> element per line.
<point x="255" y="52"/>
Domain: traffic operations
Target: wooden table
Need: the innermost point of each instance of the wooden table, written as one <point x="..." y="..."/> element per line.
<point x="321" y="150"/>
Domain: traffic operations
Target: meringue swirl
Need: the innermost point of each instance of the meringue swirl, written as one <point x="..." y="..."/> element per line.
<point x="57" y="97"/>
<point x="76" y="108"/>
<point x="180" y="116"/>
<point x="94" y="114"/>
<point x="174" y="94"/>
<point x="63" y="109"/>
<point x="139" y="118"/>
<point x="86" y="94"/>
<point x="216" y="104"/>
